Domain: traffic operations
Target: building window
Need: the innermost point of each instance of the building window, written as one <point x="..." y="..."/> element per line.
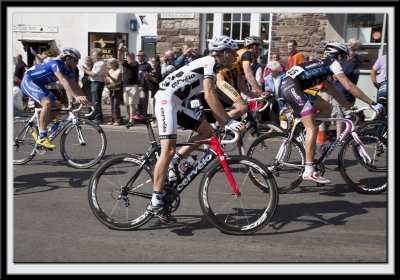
<point x="264" y="27"/>
<point x="209" y="26"/>
<point x="236" y="26"/>
<point x="106" y="42"/>
<point x="371" y="31"/>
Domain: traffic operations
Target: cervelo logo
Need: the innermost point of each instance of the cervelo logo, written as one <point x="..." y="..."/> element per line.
<point x="183" y="80"/>
<point x="196" y="169"/>
<point x="164" y="125"/>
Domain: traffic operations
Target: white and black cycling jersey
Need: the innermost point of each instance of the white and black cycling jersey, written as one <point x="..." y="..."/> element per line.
<point x="314" y="72"/>
<point x="188" y="80"/>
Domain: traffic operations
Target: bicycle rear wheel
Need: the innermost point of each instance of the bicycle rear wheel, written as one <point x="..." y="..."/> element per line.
<point x="24" y="141"/>
<point x="286" y="162"/>
<point x="364" y="177"/>
<point x="120" y="190"/>
<point x="243" y="214"/>
<point x="83" y="145"/>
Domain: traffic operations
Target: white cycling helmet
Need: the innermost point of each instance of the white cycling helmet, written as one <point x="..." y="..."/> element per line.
<point x="248" y="41"/>
<point x="70" y="52"/>
<point x="220" y="43"/>
<point x="336" y="48"/>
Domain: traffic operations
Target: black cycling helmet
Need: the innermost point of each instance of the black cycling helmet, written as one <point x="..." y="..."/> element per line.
<point x="336" y="48"/>
<point x="248" y="41"/>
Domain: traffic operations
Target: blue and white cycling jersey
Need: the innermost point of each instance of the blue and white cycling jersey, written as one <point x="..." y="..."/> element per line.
<point x="38" y="76"/>
<point x="43" y="74"/>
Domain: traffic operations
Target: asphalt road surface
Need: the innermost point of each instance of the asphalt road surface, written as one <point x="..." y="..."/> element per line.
<point x="314" y="228"/>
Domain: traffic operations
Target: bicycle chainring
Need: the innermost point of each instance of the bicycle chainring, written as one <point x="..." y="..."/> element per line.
<point x="171" y="199"/>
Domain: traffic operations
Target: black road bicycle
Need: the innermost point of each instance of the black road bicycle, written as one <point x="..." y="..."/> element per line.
<point x="237" y="194"/>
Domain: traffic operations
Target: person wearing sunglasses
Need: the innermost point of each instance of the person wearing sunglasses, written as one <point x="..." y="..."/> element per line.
<point x="39" y="76"/>
<point x="179" y="86"/>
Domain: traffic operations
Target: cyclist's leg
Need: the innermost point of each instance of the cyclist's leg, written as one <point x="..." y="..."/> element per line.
<point x="166" y="114"/>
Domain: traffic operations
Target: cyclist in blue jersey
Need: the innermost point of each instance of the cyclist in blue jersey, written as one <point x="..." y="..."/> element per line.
<point x="34" y="86"/>
<point x="312" y="73"/>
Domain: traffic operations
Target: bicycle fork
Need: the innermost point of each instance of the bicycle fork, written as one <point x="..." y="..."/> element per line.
<point x="216" y="147"/>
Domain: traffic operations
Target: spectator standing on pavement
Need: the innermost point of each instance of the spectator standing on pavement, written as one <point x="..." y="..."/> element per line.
<point x="96" y="76"/>
<point x="189" y="53"/>
<point x="114" y="84"/>
<point x="20" y="68"/>
<point x="144" y="69"/>
<point x="85" y="80"/>
<point x="266" y="71"/>
<point x="168" y="66"/>
<point x="153" y="78"/>
<point x="379" y="77"/>
<point x="295" y="57"/>
<point x="17" y="99"/>
<point x="130" y="82"/>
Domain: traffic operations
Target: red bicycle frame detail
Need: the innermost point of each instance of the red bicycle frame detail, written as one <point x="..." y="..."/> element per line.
<point x="215" y="147"/>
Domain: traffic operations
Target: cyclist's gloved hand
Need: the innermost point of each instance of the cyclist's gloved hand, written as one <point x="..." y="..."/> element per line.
<point x="236" y="126"/>
<point x="377" y="107"/>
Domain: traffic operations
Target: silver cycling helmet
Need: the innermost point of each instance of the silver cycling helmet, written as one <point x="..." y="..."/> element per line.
<point x="220" y="43"/>
<point x="248" y="41"/>
<point x="70" y="52"/>
<point x="336" y="48"/>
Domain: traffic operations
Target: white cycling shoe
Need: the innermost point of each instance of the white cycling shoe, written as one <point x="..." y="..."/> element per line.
<point x="314" y="177"/>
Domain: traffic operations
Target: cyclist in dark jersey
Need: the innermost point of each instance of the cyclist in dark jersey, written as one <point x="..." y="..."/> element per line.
<point x="309" y="74"/>
<point x="40" y="75"/>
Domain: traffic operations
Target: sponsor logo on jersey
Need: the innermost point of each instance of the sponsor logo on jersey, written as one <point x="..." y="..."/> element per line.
<point x="299" y="100"/>
<point x="183" y="80"/>
<point x="315" y="64"/>
<point x="205" y="65"/>
<point x="164" y="102"/>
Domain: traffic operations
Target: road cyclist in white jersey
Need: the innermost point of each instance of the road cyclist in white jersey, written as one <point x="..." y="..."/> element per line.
<point x="198" y="76"/>
<point x="309" y="74"/>
<point x="39" y="76"/>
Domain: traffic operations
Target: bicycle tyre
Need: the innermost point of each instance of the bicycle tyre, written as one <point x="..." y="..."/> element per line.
<point x="376" y="126"/>
<point x="226" y="211"/>
<point x="24" y="142"/>
<point x="87" y="154"/>
<point x="285" y="162"/>
<point x="110" y="205"/>
<point x="352" y="166"/>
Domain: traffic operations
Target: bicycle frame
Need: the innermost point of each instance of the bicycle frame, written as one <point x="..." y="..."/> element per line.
<point x="349" y="130"/>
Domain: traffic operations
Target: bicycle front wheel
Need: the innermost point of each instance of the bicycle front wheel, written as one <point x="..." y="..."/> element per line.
<point x="83" y="144"/>
<point x="246" y="213"/>
<point x="284" y="160"/>
<point x="24" y="141"/>
<point x="120" y="190"/>
<point x="367" y="177"/>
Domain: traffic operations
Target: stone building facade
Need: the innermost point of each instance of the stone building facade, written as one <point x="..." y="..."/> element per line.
<point x="309" y="31"/>
<point x="173" y="32"/>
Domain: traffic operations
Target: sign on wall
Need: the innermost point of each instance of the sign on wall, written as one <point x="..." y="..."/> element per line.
<point x="35" y="28"/>
<point x="177" y="15"/>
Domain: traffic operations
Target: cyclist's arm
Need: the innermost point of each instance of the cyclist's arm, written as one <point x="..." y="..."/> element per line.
<point x="353" y="89"/>
<point x="244" y="88"/>
<point x="250" y="78"/>
<point x="70" y="86"/>
<point x="211" y="98"/>
<point x="331" y="89"/>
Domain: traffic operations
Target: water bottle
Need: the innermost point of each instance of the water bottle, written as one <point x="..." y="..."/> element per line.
<point x="53" y="127"/>
<point x="31" y="104"/>
<point x="186" y="164"/>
